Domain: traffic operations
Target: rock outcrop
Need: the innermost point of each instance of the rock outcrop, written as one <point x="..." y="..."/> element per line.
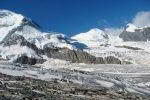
<point x="138" y="35"/>
<point x="75" y="56"/>
<point x="79" y="56"/>
<point x="27" y="60"/>
<point x="16" y="39"/>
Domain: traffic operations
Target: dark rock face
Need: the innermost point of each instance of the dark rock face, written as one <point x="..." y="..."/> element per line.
<point x="138" y="35"/>
<point x="79" y="56"/>
<point x="112" y="60"/>
<point x="129" y="47"/>
<point x="27" y="60"/>
<point x="69" y="55"/>
<point x="74" y="56"/>
<point x="30" y="22"/>
<point x="15" y="39"/>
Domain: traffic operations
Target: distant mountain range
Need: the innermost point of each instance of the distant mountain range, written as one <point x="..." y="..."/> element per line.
<point x="22" y="41"/>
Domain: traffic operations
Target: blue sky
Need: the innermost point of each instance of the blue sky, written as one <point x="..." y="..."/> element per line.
<point x="74" y="16"/>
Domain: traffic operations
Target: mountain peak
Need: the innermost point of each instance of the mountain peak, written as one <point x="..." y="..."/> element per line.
<point x="90" y="34"/>
<point x="8" y="18"/>
<point x="13" y="23"/>
<point x="95" y="30"/>
<point x="92" y="38"/>
<point x="130" y="27"/>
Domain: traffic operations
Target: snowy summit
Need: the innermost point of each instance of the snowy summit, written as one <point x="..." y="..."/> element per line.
<point x="94" y="37"/>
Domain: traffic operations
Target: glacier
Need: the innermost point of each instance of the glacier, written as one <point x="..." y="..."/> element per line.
<point x="121" y="68"/>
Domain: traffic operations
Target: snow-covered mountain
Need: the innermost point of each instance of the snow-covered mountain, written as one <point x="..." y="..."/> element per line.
<point x="53" y="40"/>
<point x="109" y="62"/>
<point x="132" y="28"/>
<point x="93" y="38"/>
<point x="103" y="43"/>
<point x="133" y="33"/>
<point x="20" y="35"/>
<point x="12" y="23"/>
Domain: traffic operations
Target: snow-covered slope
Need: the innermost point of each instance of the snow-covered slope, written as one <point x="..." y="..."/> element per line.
<point x="53" y="40"/>
<point x="131" y="28"/>
<point x="8" y="21"/>
<point x="13" y="52"/>
<point x="100" y="43"/>
<point x="133" y="33"/>
<point x="93" y="38"/>
<point x="131" y="51"/>
<point x="13" y="25"/>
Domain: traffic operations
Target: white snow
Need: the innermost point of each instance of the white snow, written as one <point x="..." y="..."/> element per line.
<point x="54" y="63"/>
<point x="131" y="28"/>
<point x="29" y="33"/>
<point x="92" y="38"/>
<point x="9" y="18"/>
<point x="28" y="73"/>
<point x="8" y="21"/>
<point x="105" y="83"/>
<point x="12" y="52"/>
<point x="143" y="84"/>
<point x="53" y="39"/>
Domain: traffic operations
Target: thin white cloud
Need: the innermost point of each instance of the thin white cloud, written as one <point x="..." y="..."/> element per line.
<point x="103" y="23"/>
<point x="113" y="31"/>
<point x="142" y="19"/>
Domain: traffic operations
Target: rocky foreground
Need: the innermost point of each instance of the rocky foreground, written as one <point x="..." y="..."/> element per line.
<point x="25" y="88"/>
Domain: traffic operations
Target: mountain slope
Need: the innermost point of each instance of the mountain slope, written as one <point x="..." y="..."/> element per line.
<point x="133" y="33"/>
<point x="24" y="42"/>
<point x="92" y="38"/>
<point x="20" y="36"/>
<point x="12" y="23"/>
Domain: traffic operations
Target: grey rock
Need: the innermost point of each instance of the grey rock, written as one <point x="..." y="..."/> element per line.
<point x="27" y="60"/>
<point x="138" y="35"/>
<point x="75" y="56"/>
<point x="129" y="47"/>
<point x="25" y="22"/>
<point x="112" y="60"/>
<point x="78" y="56"/>
<point x="15" y="39"/>
<point x="27" y="88"/>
